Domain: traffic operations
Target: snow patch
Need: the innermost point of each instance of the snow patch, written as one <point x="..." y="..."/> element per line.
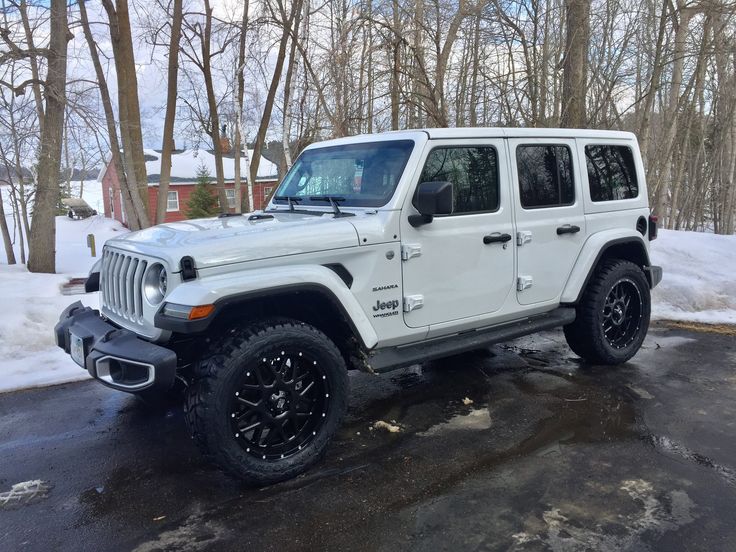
<point x="699" y="280"/>
<point x="24" y="493"/>
<point x="477" y="419"/>
<point x="658" y="513"/>
<point x="391" y="428"/>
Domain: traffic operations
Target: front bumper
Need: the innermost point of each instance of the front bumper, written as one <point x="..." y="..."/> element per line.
<point x="655" y="275"/>
<point x="115" y="356"/>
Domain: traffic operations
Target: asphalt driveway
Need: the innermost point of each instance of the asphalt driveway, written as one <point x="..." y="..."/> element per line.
<point x="521" y="447"/>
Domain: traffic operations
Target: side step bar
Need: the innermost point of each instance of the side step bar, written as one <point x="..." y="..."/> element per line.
<point x="405" y="355"/>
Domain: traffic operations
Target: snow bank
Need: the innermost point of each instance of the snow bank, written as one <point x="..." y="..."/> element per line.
<point x="699" y="282"/>
<point x="32" y="304"/>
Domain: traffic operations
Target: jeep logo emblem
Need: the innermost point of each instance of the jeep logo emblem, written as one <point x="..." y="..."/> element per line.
<point x="383" y="305"/>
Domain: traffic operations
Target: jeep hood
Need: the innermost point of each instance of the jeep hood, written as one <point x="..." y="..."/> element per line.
<point x="217" y="241"/>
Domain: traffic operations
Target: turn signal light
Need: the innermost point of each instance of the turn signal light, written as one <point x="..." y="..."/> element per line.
<point x="201" y="311"/>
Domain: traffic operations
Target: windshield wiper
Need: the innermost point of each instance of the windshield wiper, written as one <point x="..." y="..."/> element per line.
<point x="291" y="199"/>
<point x="333" y="200"/>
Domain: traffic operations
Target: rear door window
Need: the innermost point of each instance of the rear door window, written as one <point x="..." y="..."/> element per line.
<point x="545" y="176"/>
<point x="611" y="172"/>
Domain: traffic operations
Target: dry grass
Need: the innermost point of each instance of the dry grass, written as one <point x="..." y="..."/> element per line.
<point x="723" y="329"/>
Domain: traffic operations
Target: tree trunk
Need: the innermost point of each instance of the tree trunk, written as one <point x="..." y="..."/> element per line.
<point x="167" y="147"/>
<point x="288" y="92"/>
<point x="23" y="8"/>
<point x="9" y="253"/>
<point x="289" y="89"/>
<point x="212" y="104"/>
<point x="42" y="242"/>
<point x="577" y="23"/>
<point x="129" y="110"/>
<point x="665" y="172"/>
<point x="19" y="225"/>
<point x="651" y="93"/>
<point x="132" y="203"/>
<point x="395" y="67"/>
<point x="240" y="78"/>
<point x="287" y="22"/>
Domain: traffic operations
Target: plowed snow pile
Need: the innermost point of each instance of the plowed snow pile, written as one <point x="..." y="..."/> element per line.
<point x="699" y="282"/>
<point x="31" y="303"/>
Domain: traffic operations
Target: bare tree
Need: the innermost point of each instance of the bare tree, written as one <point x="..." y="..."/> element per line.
<point x="285" y="17"/>
<point x="169" y="119"/>
<point x="577" y="33"/>
<point x="132" y="201"/>
<point x="195" y="33"/>
<point x="240" y="78"/>
<point x="42" y="241"/>
<point x="129" y="109"/>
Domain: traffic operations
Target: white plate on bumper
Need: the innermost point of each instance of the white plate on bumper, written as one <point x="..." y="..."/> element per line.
<point x="77" y="349"/>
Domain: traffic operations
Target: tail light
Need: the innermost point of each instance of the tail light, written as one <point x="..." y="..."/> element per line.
<point x="653" y="227"/>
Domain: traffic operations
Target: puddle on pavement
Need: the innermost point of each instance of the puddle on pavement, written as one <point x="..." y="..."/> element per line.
<point x="671" y="446"/>
<point x="524" y="402"/>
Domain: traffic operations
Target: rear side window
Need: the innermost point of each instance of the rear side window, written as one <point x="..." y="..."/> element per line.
<point x="473" y="172"/>
<point x="545" y="176"/>
<point x="611" y="172"/>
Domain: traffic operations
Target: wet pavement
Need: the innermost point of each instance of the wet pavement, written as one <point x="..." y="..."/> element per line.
<point x="550" y="455"/>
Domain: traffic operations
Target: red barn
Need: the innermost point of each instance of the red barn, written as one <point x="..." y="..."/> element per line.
<point x="184" y="167"/>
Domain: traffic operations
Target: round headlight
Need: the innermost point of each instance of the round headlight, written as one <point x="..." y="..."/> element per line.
<point x="154" y="283"/>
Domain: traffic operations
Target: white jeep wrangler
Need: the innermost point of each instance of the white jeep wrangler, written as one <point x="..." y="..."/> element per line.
<point x="376" y="252"/>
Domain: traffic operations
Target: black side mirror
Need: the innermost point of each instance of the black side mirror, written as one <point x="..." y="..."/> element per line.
<point x="431" y="198"/>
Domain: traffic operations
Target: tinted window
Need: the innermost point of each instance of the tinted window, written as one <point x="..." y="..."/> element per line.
<point x="545" y="176"/>
<point x="611" y="173"/>
<point x="473" y="173"/>
<point x="365" y="175"/>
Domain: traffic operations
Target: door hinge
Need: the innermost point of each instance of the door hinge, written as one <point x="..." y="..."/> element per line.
<point x="522" y="237"/>
<point x="524" y="282"/>
<point x="410" y="250"/>
<point x="413" y="302"/>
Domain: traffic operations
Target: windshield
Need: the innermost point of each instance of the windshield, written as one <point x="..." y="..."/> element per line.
<point x="363" y="175"/>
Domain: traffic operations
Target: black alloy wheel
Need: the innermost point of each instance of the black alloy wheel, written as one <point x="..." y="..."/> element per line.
<point x="622" y="313"/>
<point x="280" y="404"/>
<point x="266" y="399"/>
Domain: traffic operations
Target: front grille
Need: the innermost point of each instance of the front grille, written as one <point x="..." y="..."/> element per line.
<point x="121" y="283"/>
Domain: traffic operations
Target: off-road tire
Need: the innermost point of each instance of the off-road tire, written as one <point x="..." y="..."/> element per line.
<point x="587" y="336"/>
<point x="221" y="371"/>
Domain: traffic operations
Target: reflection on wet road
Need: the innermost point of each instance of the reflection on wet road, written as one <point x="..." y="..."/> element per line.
<point x="520" y="447"/>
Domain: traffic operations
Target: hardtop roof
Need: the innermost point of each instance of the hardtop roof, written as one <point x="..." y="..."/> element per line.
<point x="478" y="133"/>
<point x="516" y="132"/>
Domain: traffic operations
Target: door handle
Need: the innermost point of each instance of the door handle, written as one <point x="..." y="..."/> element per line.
<point x="568" y="229"/>
<point x="496" y="237"/>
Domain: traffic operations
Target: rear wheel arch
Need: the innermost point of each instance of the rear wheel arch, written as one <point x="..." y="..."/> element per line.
<point x="628" y="249"/>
